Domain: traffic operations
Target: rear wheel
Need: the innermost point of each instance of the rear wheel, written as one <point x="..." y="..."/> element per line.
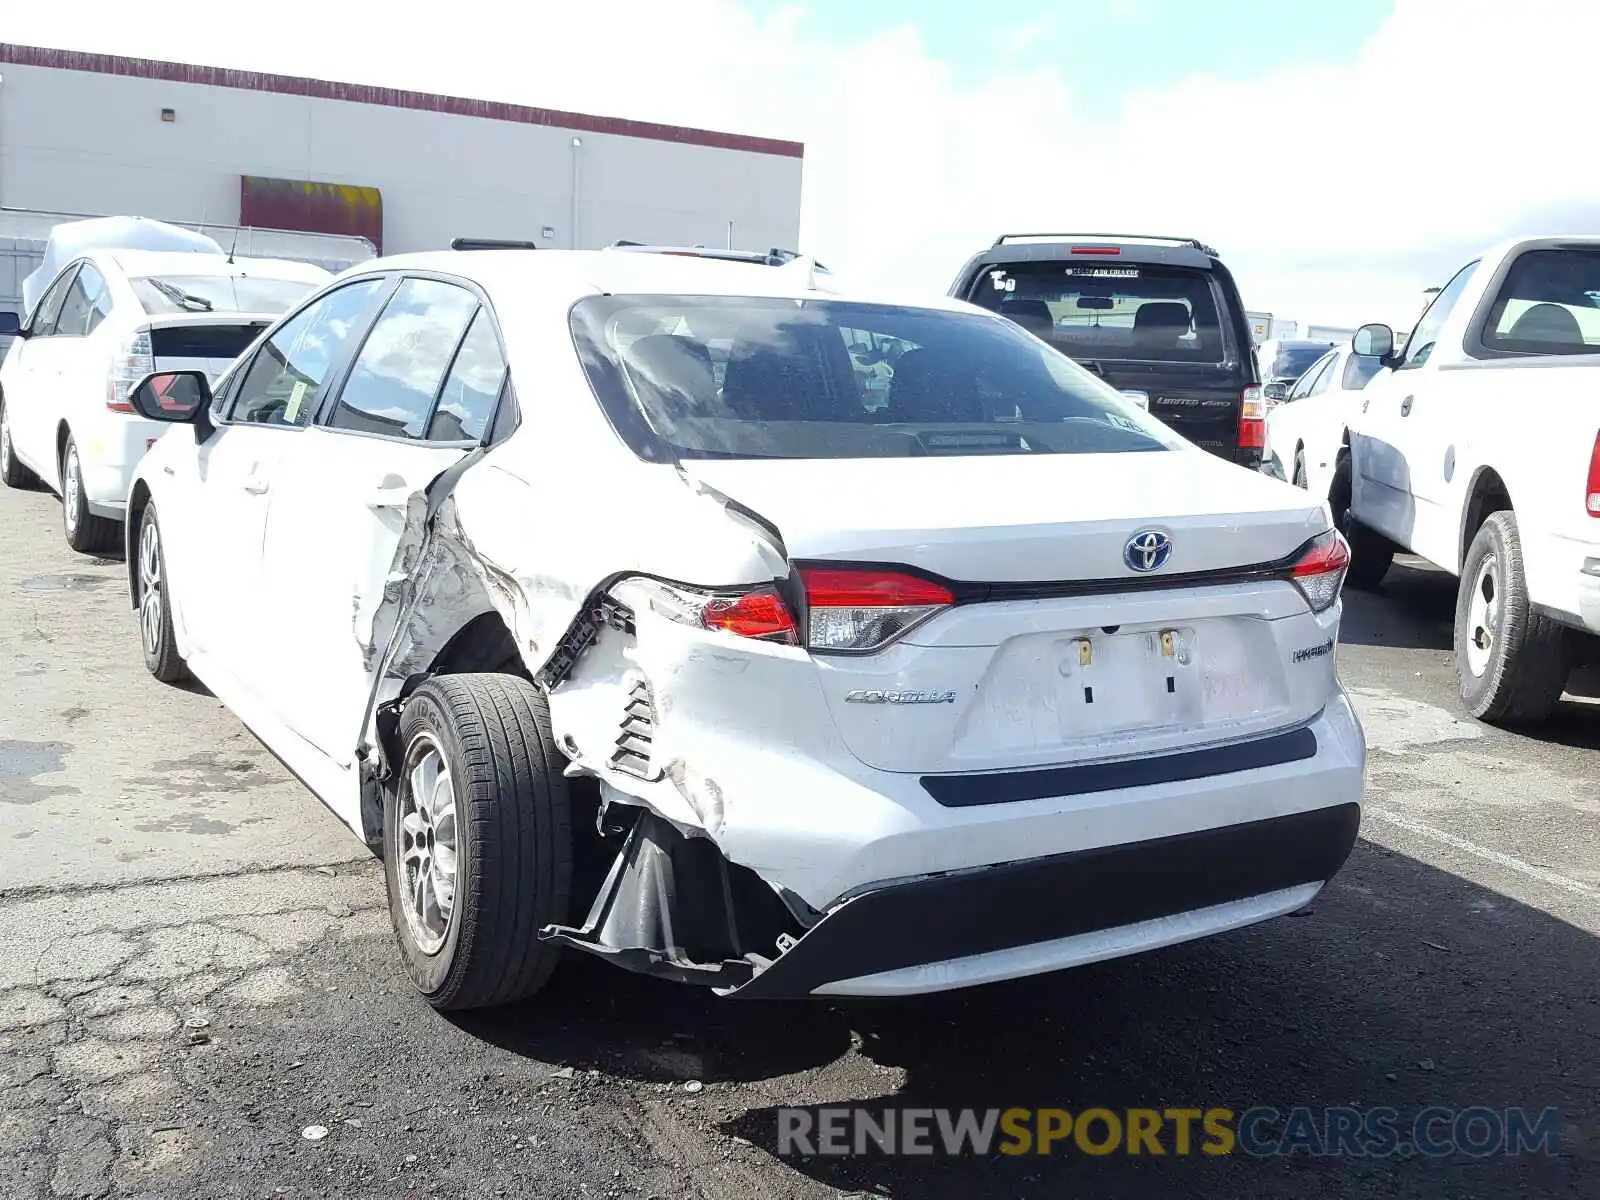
<point x="12" y="472"/>
<point x="161" y="655"/>
<point x="1511" y="663"/>
<point x="86" y="533"/>
<point x="1371" y="554"/>
<point x="477" y="840"/>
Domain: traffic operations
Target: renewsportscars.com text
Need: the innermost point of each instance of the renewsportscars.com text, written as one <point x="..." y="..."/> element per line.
<point x="1260" y="1132"/>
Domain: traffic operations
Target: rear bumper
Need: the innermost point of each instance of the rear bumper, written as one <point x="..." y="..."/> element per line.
<point x="1043" y="914"/>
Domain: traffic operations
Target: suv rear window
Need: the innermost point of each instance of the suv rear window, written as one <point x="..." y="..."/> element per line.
<point x="744" y="377"/>
<point x="161" y="294"/>
<point x="1130" y="311"/>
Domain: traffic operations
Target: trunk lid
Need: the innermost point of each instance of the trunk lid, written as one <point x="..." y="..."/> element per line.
<point x="1060" y="651"/>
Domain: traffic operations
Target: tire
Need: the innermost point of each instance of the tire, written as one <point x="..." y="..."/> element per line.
<point x="86" y="533"/>
<point x="1511" y="663"/>
<point x="154" y="602"/>
<point x="1299" y="479"/>
<point x="510" y="822"/>
<point x="12" y="472"/>
<point x="1371" y="554"/>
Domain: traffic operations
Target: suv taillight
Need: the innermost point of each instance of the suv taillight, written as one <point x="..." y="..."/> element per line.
<point x="1252" y="419"/>
<point x="135" y="360"/>
<point x="1319" y="573"/>
<point x="1592" y="499"/>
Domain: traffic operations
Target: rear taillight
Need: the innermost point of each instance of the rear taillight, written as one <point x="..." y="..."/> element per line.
<point x="135" y="361"/>
<point x="855" y="610"/>
<point x="849" y="610"/>
<point x="1096" y="250"/>
<point x="1592" y="499"/>
<point x="1252" y="419"/>
<point x="1319" y="573"/>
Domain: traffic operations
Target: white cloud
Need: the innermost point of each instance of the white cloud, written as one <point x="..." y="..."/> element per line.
<point x="1459" y="121"/>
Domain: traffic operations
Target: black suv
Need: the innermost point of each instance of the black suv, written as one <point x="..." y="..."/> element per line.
<point x="1158" y="318"/>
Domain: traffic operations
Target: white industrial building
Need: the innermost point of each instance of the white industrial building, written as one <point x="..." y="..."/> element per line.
<point x="99" y="134"/>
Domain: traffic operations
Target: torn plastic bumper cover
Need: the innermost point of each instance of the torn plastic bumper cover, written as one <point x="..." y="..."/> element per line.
<point x="673" y="906"/>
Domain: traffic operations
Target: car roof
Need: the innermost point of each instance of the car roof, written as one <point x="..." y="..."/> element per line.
<point x="1140" y="248"/>
<point x="138" y="263"/>
<point x="566" y="275"/>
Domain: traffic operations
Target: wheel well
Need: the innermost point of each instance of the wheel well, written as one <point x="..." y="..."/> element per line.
<point x="1487" y="496"/>
<point x="482" y="644"/>
<point x="138" y="501"/>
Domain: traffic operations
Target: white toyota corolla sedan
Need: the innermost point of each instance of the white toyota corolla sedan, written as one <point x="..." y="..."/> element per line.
<point x="621" y="604"/>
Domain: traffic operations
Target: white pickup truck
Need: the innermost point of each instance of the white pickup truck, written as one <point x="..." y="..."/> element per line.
<point x="1477" y="447"/>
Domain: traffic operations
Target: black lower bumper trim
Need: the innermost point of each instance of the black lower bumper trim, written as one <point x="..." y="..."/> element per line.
<point x="1039" y="900"/>
<point x="1008" y="787"/>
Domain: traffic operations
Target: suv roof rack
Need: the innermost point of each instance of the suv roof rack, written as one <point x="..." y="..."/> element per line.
<point x="470" y="243"/>
<point x="1141" y="238"/>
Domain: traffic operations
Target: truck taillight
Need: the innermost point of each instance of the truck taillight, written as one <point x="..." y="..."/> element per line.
<point x="134" y="361"/>
<point x="1592" y="499"/>
<point x="1252" y="419"/>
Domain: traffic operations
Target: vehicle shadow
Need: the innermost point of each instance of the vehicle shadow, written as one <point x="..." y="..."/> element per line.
<point x="1404" y="986"/>
<point x="1415" y="609"/>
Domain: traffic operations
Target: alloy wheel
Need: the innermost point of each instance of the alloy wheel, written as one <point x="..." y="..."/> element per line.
<point x="427" y="837"/>
<point x="152" y="602"/>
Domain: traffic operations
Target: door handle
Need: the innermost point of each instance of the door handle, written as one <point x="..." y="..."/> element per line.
<point x="256" y="485"/>
<point x="389" y="495"/>
<point x="1405" y="406"/>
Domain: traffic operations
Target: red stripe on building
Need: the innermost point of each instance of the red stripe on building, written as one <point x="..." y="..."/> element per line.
<point x="361" y="93"/>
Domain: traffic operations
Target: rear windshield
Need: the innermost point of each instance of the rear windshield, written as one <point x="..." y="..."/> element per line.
<point x="161" y="294"/>
<point x="741" y="377"/>
<point x="1291" y="362"/>
<point x="1548" y="304"/>
<point x="1133" y="312"/>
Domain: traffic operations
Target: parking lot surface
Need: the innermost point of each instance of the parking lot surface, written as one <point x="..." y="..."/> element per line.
<point x="199" y="995"/>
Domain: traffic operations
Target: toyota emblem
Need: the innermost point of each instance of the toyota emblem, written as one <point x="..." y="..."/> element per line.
<point x="1147" y="550"/>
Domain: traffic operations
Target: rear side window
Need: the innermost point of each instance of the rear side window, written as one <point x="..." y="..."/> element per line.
<point x="472" y="386"/>
<point x="86" y="304"/>
<point x="396" y="375"/>
<point x="1134" y="312"/>
<point x="747" y="377"/>
<point x="1548" y="304"/>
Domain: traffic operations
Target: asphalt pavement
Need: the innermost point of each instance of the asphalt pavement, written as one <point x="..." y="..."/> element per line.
<point x="199" y="995"/>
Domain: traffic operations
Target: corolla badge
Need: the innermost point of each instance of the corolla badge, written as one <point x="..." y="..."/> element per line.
<point x="874" y="696"/>
<point x="1147" y="550"/>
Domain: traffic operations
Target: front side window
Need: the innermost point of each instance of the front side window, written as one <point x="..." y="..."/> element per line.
<point x="1359" y="370"/>
<point x="1548" y="304"/>
<point x="85" y="304"/>
<point x="1135" y="312"/>
<point x="397" y="373"/>
<point x="44" y="317"/>
<point x="1307" y="382"/>
<point x="750" y="377"/>
<point x="162" y="294"/>
<point x="1420" y="344"/>
<point x="284" y="379"/>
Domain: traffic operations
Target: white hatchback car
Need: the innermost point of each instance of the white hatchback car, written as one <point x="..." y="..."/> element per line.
<point x="1306" y="430"/>
<point x="107" y="320"/>
<point x="598" y="591"/>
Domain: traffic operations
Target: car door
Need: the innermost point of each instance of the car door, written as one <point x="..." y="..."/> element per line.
<point x="1311" y="411"/>
<point x="1391" y="433"/>
<point x="82" y="362"/>
<point x="32" y="387"/>
<point x="414" y="401"/>
<point x="263" y="418"/>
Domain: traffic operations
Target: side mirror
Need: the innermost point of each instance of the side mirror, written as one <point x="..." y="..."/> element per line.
<point x="1276" y="393"/>
<point x="175" y="397"/>
<point x="1373" y="341"/>
<point x="11" y="325"/>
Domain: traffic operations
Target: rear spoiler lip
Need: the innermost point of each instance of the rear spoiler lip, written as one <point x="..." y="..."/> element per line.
<point x="178" y="320"/>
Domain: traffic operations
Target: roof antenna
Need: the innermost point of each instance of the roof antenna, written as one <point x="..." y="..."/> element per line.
<point x="234" y="246"/>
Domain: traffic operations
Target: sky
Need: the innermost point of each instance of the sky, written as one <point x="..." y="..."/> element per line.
<point x="1342" y="155"/>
